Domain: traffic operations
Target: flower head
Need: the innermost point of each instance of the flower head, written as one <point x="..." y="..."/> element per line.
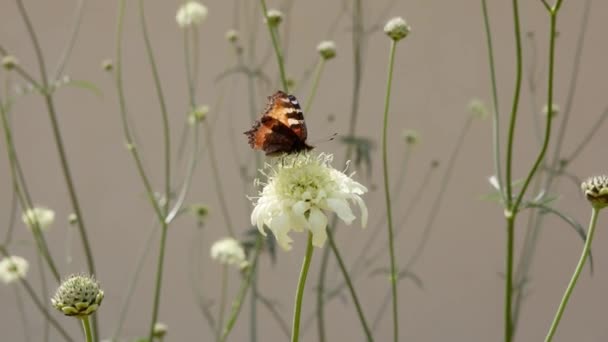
<point x="274" y="17"/>
<point x="596" y="191"/>
<point x="9" y="62"/>
<point x="13" y="268"/>
<point x="397" y="29"/>
<point x="232" y="36"/>
<point x="327" y="49"/>
<point x="300" y="189"/>
<point x="411" y="137"/>
<point x="192" y="13"/>
<point x="79" y="295"/>
<point x="38" y="216"/>
<point x="160" y="330"/>
<point x="229" y="251"/>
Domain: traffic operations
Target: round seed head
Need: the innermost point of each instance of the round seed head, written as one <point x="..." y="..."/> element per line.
<point x="274" y="17"/>
<point x="397" y="29"/>
<point x="327" y="49"/>
<point x="79" y="295"/>
<point x="596" y="191"/>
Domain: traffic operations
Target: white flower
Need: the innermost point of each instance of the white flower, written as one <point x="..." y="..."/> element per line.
<point x="397" y="28"/>
<point x="300" y="188"/>
<point x="191" y="13"/>
<point x="229" y="251"/>
<point x="13" y="268"/>
<point x="39" y="215"/>
<point x="327" y="49"/>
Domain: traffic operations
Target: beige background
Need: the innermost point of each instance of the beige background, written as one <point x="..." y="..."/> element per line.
<point x="439" y="68"/>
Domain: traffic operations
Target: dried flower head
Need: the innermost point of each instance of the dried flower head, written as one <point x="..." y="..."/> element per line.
<point x="229" y="251"/>
<point x="274" y="17"/>
<point x="232" y="36"/>
<point x="327" y="49"/>
<point x="13" y="268"/>
<point x="596" y="191"/>
<point x="9" y="62"/>
<point x="397" y="29"/>
<point x="299" y="189"/>
<point x="192" y="13"/>
<point x="38" y="216"/>
<point x="79" y="295"/>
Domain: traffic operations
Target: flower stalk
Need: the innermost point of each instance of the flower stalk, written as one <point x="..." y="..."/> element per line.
<point x="295" y="330"/>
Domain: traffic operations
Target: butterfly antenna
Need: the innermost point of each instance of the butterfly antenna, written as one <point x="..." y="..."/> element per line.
<point x="326" y="139"/>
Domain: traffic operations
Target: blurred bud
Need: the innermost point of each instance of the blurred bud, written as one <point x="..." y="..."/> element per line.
<point x="160" y="330"/>
<point x="327" y="49"/>
<point x="478" y="109"/>
<point x="190" y="14"/>
<point x="107" y="65"/>
<point x="232" y="36"/>
<point x="72" y="219"/>
<point x="274" y="17"/>
<point x="554" y="110"/>
<point x="397" y="29"/>
<point x="411" y="137"/>
<point x="9" y="62"/>
<point x="198" y="115"/>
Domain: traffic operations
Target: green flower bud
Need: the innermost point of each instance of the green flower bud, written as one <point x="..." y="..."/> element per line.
<point x="232" y="36"/>
<point x="9" y="62"/>
<point x="411" y="137"/>
<point x="160" y="330"/>
<point x="397" y="29"/>
<point x="79" y="296"/>
<point x="198" y="115"/>
<point x="327" y="49"/>
<point x="274" y="17"/>
<point x="107" y="65"/>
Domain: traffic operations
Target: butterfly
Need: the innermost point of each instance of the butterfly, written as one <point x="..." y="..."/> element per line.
<point x="281" y="129"/>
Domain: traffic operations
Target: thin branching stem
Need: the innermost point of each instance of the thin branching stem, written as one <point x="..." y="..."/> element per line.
<point x="295" y="330"/>
<point x="276" y="45"/>
<point x="315" y="84"/>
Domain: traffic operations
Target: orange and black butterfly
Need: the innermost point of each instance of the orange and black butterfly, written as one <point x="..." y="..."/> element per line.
<point x="281" y="129"/>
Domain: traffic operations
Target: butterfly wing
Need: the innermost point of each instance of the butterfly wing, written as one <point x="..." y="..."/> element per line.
<point x="286" y="109"/>
<point x="273" y="137"/>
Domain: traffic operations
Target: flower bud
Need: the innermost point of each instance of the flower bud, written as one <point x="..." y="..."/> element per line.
<point x="411" y="137"/>
<point x="229" y="251"/>
<point x="554" y="110"/>
<point x="79" y="296"/>
<point x="9" y="62"/>
<point x="274" y="17"/>
<point x="107" y="65"/>
<point x="191" y="14"/>
<point x="198" y="115"/>
<point x="397" y="29"/>
<point x="327" y="49"/>
<point x="478" y="109"/>
<point x="596" y="191"/>
<point x="232" y="36"/>
<point x="160" y="330"/>
<point x="72" y="219"/>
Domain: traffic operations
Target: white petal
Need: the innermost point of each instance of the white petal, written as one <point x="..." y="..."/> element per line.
<point x="363" y="209"/>
<point x="280" y="228"/>
<point x="257" y="218"/>
<point x="300" y="207"/>
<point x="341" y="208"/>
<point x="318" y="225"/>
<point x="494" y="182"/>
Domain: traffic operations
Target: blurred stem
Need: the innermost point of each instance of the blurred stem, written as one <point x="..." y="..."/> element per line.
<point x="22" y="314"/>
<point x="67" y="52"/>
<point x="60" y="146"/>
<point x="44" y="292"/>
<point x="222" y="306"/>
<point x="295" y="330"/>
<point x="315" y="84"/>
<point x="32" y="294"/>
<point x="86" y="326"/>
<point x="275" y="314"/>
<point x="332" y="243"/>
<point x="276" y="45"/>
<point x="496" y="116"/>
<point x="357" y="41"/>
<point x="577" y="271"/>
<point x="253" y="300"/>
<point x="237" y="304"/>
<point x="389" y="215"/>
<point x="217" y="180"/>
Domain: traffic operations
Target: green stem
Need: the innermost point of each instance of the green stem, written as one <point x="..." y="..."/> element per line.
<point x="238" y="301"/>
<point x="22" y="315"/>
<point x="277" y="48"/>
<point x="253" y="300"/>
<point x="295" y="330"/>
<point x="496" y="116"/>
<point x="222" y="306"/>
<point x="508" y="318"/>
<point x="575" y="275"/>
<point x="349" y="283"/>
<point x="86" y="326"/>
<point x="163" y="108"/>
<point x="389" y="215"/>
<point x="159" y="279"/>
<point x="315" y="84"/>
